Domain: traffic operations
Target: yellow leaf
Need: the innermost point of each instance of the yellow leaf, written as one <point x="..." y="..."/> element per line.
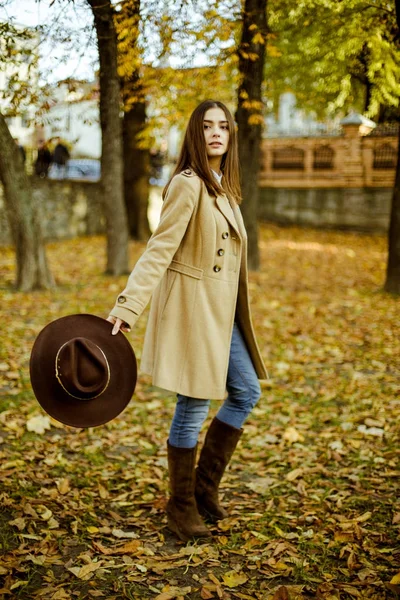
<point x="342" y="536"/>
<point x="63" y="486"/>
<point x="273" y="51"/>
<point x="291" y="435"/>
<point x="19" y="523"/>
<point x="92" y="529"/>
<point x="280" y="566"/>
<point x="396" y="579"/>
<point x="61" y="594"/>
<point x="86" y="571"/>
<point x="295" y="474"/>
<point x="37" y="560"/>
<point x="255" y="120"/>
<point x="29" y="510"/>
<point x="52" y="523"/>
<point x="11" y="464"/>
<point x="258" y="38"/>
<point x="233" y="579"/>
<point x="103" y="492"/>
<point x="18" y="584"/>
<point x="44" y="512"/>
<point x="38" y="424"/>
<point x="173" y="592"/>
<point x="363" y="517"/>
<point x="89" y="569"/>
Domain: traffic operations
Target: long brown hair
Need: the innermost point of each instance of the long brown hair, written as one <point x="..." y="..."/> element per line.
<point x="193" y="154"/>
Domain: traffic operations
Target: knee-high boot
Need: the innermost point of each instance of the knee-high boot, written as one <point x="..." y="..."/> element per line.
<point x="182" y="512"/>
<point x="219" y="445"/>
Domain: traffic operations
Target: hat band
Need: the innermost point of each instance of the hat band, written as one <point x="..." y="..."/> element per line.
<point x="58" y="377"/>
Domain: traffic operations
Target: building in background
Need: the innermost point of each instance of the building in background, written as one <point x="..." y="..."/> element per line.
<point x="73" y="115"/>
<point x="292" y="121"/>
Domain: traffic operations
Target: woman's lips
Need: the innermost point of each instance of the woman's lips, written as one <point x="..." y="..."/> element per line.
<point x="216" y="144"/>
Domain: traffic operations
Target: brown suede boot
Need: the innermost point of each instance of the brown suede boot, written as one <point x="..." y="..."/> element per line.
<point x="219" y="445"/>
<point x="182" y="513"/>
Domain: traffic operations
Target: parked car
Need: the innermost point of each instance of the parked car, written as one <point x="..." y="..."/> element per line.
<point x="77" y="168"/>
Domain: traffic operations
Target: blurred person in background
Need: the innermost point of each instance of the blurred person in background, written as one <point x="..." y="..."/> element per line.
<point x="60" y="158"/>
<point x="43" y="160"/>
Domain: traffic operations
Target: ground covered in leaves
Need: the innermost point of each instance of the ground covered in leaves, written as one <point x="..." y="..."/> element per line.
<point x="312" y="490"/>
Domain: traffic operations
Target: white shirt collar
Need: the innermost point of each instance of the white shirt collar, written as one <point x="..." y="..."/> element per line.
<point x="217" y="176"/>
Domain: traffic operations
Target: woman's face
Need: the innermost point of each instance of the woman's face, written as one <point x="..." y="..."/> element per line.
<point x="216" y="132"/>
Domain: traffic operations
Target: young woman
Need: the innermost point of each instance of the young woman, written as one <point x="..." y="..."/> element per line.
<point x="199" y="339"/>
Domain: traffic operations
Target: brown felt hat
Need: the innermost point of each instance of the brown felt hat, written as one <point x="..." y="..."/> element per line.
<point x="81" y="374"/>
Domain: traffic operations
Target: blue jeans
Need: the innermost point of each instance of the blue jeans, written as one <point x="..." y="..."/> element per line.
<point x="243" y="393"/>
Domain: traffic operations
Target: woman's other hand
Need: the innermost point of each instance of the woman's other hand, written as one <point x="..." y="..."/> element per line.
<point x="119" y="324"/>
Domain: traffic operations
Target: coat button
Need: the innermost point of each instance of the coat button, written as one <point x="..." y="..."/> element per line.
<point x="221" y="252"/>
<point x="121" y="299"/>
<point x="225" y="235"/>
<point x="217" y="268"/>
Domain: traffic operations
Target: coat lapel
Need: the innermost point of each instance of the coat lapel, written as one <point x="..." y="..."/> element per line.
<point x="223" y="205"/>
<point x="240" y="223"/>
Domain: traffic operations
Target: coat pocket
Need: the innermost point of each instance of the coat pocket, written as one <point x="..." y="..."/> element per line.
<point x="185" y="269"/>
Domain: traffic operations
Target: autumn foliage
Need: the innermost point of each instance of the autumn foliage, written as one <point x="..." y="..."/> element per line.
<point x="312" y="490"/>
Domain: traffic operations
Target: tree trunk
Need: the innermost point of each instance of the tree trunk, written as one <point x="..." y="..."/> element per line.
<point x="111" y="146"/>
<point x="249" y="115"/>
<point x="136" y="159"/>
<point x="392" y="283"/>
<point x="23" y="216"/>
<point x="136" y="173"/>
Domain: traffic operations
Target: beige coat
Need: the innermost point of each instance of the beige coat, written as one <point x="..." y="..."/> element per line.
<point x="195" y="269"/>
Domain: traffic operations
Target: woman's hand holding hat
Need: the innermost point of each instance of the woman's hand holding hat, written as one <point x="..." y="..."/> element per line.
<point x="119" y="324"/>
<point x="80" y="376"/>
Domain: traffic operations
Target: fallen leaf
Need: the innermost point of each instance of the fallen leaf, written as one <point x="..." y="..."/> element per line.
<point x="103" y="492"/>
<point x="295" y="474"/>
<point x="63" y="486"/>
<point x="38" y="424"/>
<point x="86" y="571"/>
<point x="206" y="594"/>
<point x="19" y="522"/>
<point x="118" y="533"/>
<point x="261" y="485"/>
<point x="291" y="435"/>
<point x="281" y="594"/>
<point x="44" y="512"/>
<point x="233" y="579"/>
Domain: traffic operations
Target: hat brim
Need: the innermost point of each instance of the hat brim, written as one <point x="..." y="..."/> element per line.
<point x="54" y="399"/>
